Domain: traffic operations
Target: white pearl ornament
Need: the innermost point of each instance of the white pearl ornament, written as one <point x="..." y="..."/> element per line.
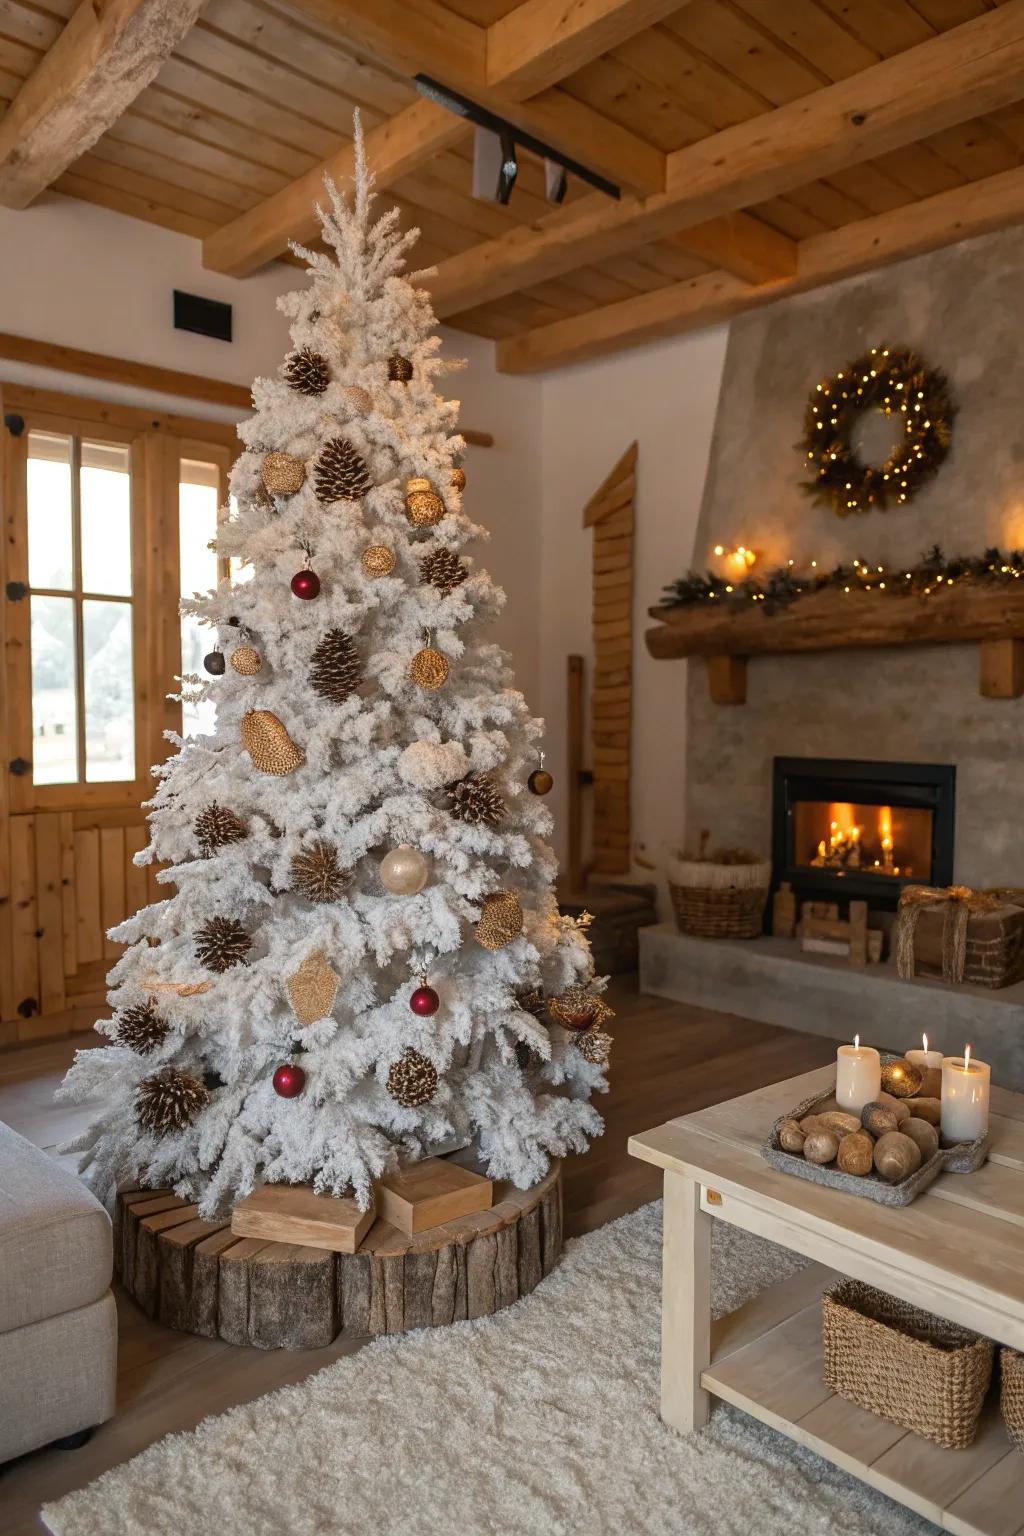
<point x="404" y="870"/>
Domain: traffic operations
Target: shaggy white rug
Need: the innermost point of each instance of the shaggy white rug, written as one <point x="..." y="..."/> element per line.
<point x="542" y="1420"/>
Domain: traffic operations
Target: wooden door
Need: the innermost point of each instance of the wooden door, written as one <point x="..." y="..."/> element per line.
<point x="102" y="510"/>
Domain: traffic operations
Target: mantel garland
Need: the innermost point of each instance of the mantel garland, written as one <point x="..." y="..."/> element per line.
<point x="895" y="382"/>
<point x="783" y="586"/>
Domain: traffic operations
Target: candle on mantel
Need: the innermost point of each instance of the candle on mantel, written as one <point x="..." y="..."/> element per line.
<point x="858" y="1075"/>
<point x="966" y="1086"/>
<point x="925" y="1058"/>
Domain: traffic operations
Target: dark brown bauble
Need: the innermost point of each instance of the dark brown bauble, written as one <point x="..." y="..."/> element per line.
<point x="214" y="663"/>
<point x="141" y="1028"/>
<point x="458" y="478"/>
<point x="574" y="1008"/>
<point x="282" y="474"/>
<point x="399" y="368"/>
<point x="289" y="1080"/>
<point x="412" y="1080"/>
<point x="444" y="570"/>
<point x="221" y="943"/>
<point x="475" y="799"/>
<point x="169" y="1101"/>
<point x="595" y="1046"/>
<point x="307" y="372"/>
<point x="540" y="782"/>
<point x="901" y="1078"/>
<point x="340" y="473"/>
<point x="318" y="874"/>
<point x="215" y="827"/>
<point x="306" y="584"/>
<point x="336" y="668"/>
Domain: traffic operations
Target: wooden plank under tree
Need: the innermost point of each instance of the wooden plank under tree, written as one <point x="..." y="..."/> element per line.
<point x="107" y="54"/>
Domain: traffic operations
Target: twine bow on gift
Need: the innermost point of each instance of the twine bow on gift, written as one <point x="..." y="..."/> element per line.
<point x="960" y="903"/>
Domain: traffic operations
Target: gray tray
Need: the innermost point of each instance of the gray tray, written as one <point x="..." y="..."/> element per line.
<point x="963" y="1157"/>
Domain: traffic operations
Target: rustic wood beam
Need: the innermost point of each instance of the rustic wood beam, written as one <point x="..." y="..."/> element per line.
<point x="107" y="54"/>
<point x="740" y="244"/>
<point x="410" y="35"/>
<point x="542" y="41"/>
<point x="960" y="214"/>
<point x="970" y="70"/>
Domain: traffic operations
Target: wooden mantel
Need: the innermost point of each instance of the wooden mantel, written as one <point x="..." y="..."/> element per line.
<point x="992" y="616"/>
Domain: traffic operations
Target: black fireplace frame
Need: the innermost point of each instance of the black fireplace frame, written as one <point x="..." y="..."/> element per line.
<point x="930" y="786"/>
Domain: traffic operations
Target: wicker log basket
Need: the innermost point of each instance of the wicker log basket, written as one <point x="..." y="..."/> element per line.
<point x="721" y="894"/>
<point x="1011" y="1394"/>
<point x="919" y="1371"/>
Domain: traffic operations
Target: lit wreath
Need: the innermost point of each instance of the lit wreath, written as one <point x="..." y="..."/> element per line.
<point x="888" y="380"/>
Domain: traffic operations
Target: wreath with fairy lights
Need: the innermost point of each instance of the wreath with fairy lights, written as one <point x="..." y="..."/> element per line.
<point x="895" y="382"/>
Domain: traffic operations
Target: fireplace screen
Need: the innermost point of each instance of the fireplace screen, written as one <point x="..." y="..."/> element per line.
<point x="844" y="828"/>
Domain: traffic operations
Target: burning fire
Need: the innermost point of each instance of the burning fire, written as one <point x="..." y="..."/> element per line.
<point x="845" y="836"/>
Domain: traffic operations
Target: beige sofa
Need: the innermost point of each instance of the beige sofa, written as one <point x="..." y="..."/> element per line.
<point x="58" y="1323"/>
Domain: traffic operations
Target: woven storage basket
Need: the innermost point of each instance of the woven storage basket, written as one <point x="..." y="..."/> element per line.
<point x="719" y="895"/>
<point x="916" y="1370"/>
<point x="1011" y="1395"/>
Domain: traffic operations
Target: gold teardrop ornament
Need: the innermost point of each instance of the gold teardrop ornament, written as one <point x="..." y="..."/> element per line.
<point x="269" y="745"/>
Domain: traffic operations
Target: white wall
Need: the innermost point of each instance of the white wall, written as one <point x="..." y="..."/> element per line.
<point x="665" y="396"/>
<point x="80" y="275"/>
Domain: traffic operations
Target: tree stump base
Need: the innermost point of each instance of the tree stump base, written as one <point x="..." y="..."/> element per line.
<point x="196" y="1276"/>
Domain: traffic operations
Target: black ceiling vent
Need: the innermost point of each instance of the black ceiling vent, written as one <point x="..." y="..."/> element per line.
<point x="205" y="317"/>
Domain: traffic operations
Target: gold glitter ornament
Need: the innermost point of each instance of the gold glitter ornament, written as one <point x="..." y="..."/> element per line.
<point x="424" y="508"/>
<point x="594" y="1046"/>
<point x="358" y="399"/>
<point x="501" y="920"/>
<point x="458" y="478"/>
<point x="412" y="1080"/>
<point x="417" y="483"/>
<point x="378" y="560"/>
<point x="312" y="989"/>
<point x="429" y="669"/>
<point x="282" y="474"/>
<point x="574" y="1009"/>
<point x="268" y="743"/>
<point x="246" y="660"/>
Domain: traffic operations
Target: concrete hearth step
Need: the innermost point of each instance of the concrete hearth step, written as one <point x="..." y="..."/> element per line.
<point x="620" y="910"/>
<point x="773" y="981"/>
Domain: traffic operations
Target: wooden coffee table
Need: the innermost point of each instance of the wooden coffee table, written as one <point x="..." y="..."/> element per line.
<point x="958" y="1251"/>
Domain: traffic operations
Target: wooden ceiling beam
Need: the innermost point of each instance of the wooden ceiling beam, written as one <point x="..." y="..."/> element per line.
<point x="960" y="214"/>
<point x="742" y="245"/>
<point x="107" y="54"/>
<point x="410" y="35"/>
<point x="970" y="70"/>
<point x="543" y="41"/>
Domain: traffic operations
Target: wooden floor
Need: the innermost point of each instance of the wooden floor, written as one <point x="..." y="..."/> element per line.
<point x="669" y="1059"/>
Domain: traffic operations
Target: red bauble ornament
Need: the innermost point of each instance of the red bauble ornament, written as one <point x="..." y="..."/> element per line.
<point x="306" y="584"/>
<point x="424" y="1001"/>
<point x="289" y="1080"/>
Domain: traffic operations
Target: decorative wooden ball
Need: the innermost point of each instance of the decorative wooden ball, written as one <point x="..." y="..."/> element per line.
<point x="925" y="1135"/>
<point x="540" y="782"/>
<point x="378" y="560"/>
<point x="404" y="871"/>
<point x="458" y="478"/>
<point x="246" y="660"/>
<point x="399" y="368"/>
<point x="306" y="584"/>
<point x="268" y="743"/>
<point x="501" y="920"/>
<point x="429" y="669"/>
<point x="877" y="1119"/>
<point x="289" y="1080"/>
<point x="840" y="1122"/>
<point x="902" y="1079"/>
<point x="926" y="1109"/>
<point x="358" y="399"/>
<point x="424" y="508"/>
<point x="282" y="474"/>
<point x="821" y="1147"/>
<point x="897" y="1157"/>
<point x="424" y="1001"/>
<point x="791" y="1137"/>
<point x="856" y="1154"/>
<point x="214" y="663"/>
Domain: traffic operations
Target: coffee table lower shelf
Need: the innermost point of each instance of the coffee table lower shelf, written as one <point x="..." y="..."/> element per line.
<point x="767" y="1360"/>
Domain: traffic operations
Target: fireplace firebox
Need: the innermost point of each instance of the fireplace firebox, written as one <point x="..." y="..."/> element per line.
<point x="843" y="829"/>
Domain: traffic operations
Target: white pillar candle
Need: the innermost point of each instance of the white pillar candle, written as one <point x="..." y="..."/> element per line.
<point x="858" y="1075"/>
<point x="965" y="1094"/>
<point x="925" y="1058"/>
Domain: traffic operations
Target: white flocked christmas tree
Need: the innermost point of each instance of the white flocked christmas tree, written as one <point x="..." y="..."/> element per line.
<point x="360" y="957"/>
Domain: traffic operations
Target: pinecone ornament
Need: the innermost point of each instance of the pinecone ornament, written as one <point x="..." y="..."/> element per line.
<point x="475" y="799"/>
<point x="307" y="372"/>
<point x="317" y="872"/>
<point x="141" y="1028"/>
<point x="594" y="1046"/>
<point x="215" y="827"/>
<point x="501" y="920"/>
<point x="340" y="473"/>
<point x="336" y="669"/>
<point x="412" y="1080"/>
<point x="221" y="943"/>
<point x="169" y="1101"/>
<point x="444" y="570"/>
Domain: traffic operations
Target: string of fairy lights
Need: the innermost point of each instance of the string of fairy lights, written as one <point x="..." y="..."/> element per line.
<point x="784" y="586"/>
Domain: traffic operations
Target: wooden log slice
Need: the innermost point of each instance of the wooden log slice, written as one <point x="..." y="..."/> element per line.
<point x="195" y="1276"/>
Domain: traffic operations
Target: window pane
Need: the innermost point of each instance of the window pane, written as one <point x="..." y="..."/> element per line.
<point x="197" y="528"/>
<point x="106" y="518"/>
<point x="54" y="714"/>
<point x="109" y="691"/>
<point x="50" y="550"/>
